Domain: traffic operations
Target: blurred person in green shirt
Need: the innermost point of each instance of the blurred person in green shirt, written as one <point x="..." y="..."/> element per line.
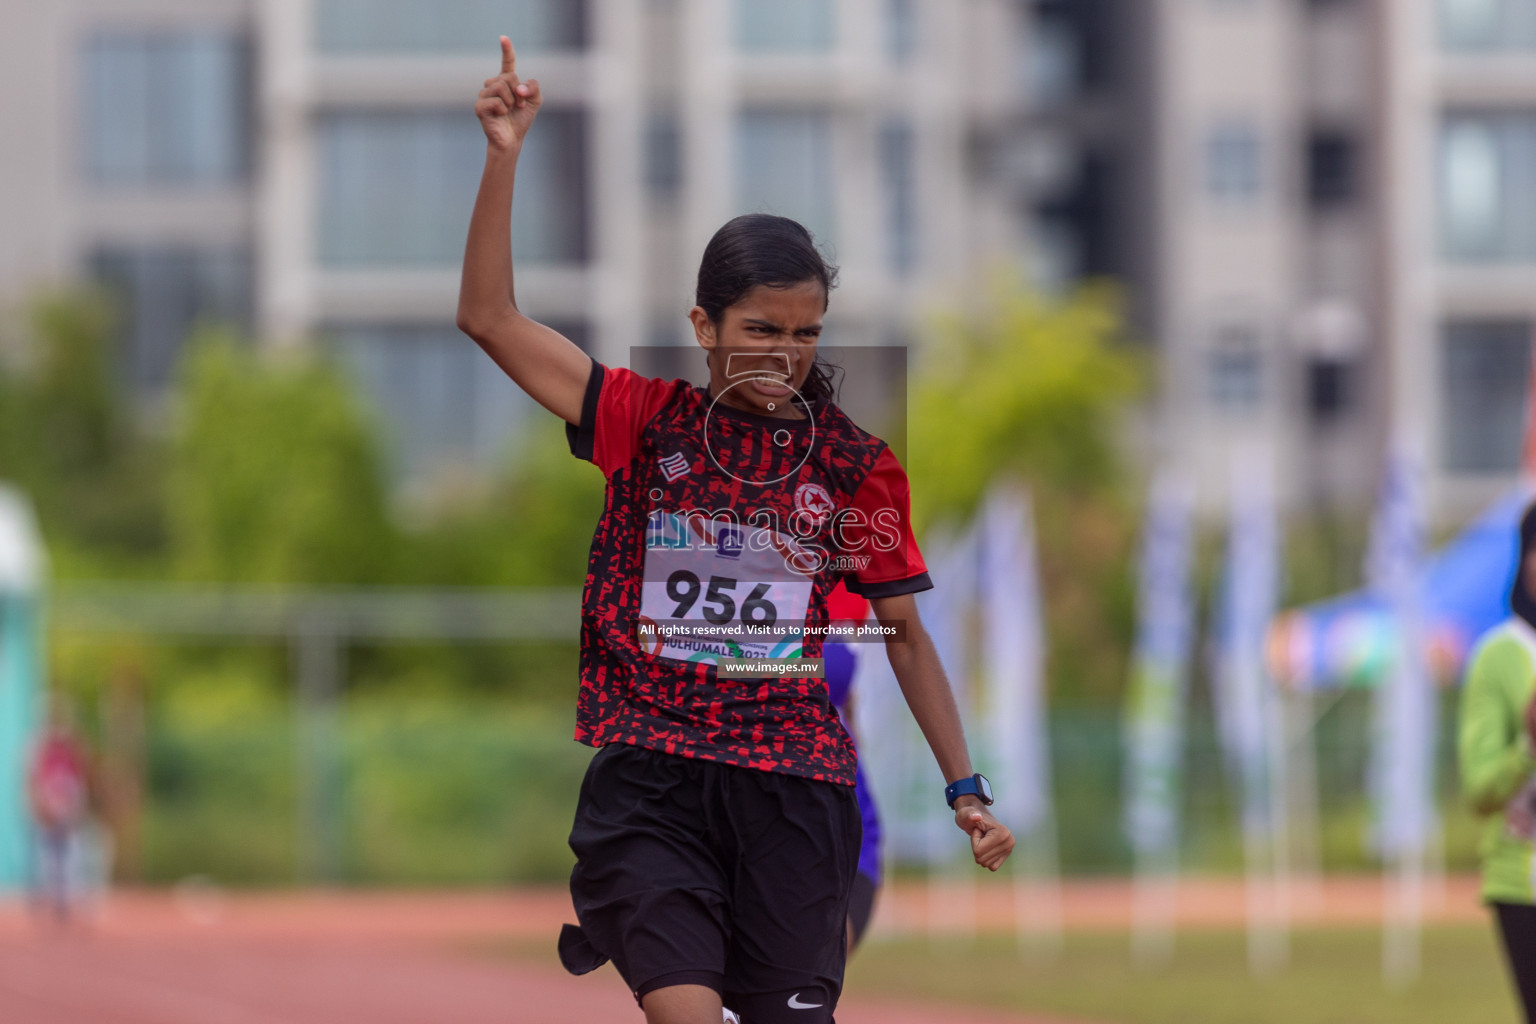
<point x="1497" y="748"/>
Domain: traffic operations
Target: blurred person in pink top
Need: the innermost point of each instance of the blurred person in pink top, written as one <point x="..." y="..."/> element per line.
<point x="57" y="787"/>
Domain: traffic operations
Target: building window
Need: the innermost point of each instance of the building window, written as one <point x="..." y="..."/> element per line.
<point x="1330" y="388"/>
<point x="1232" y="172"/>
<point x="388" y="26"/>
<point x="1488" y="187"/>
<point x="161" y="294"/>
<point x="1331" y="334"/>
<point x="167" y="109"/>
<point x="1054" y="55"/>
<point x="396" y="188"/>
<point x="898" y="174"/>
<point x="1487" y="24"/>
<point x="784" y="166"/>
<point x="900" y="30"/>
<point x="1237" y="370"/>
<point x="1332" y="169"/>
<point x="441" y="402"/>
<point x="786" y="26"/>
<point x="663" y="155"/>
<point x="1486" y="367"/>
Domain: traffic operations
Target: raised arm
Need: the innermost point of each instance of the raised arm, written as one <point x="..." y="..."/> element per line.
<point x="543" y="362"/>
<point x="926" y="689"/>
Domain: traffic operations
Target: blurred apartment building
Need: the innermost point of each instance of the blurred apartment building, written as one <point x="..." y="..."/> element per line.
<point x="1324" y="210"/>
<point x="306" y="169"/>
<point x="1326" y="213"/>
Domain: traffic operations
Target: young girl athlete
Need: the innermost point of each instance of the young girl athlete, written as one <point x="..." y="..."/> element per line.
<point x="717" y="833"/>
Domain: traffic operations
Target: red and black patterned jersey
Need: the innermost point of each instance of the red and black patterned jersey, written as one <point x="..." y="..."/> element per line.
<point x="693" y="487"/>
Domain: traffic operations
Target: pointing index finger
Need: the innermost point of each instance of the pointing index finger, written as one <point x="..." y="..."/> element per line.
<point x="508" y="57"/>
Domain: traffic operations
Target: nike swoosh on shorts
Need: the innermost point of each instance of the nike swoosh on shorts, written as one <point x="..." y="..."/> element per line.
<point x="796" y="1004"/>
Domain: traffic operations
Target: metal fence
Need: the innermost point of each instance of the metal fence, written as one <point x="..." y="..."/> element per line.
<point x="318" y="625"/>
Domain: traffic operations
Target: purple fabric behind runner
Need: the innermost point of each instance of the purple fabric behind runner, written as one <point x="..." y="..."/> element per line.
<point x="839" y="662"/>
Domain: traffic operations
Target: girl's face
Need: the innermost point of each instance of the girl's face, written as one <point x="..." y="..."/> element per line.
<point x="763" y="346"/>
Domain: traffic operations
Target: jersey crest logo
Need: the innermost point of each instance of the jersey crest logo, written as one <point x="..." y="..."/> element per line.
<point x="674" y="466"/>
<point x="813" y="499"/>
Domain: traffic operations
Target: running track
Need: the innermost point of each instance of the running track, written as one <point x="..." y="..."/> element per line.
<point x="388" y="958"/>
<point x="326" y="959"/>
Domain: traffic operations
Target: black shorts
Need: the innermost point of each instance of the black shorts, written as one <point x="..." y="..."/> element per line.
<point x="692" y="872"/>
<point x="1517" y="924"/>
<point x="861" y="907"/>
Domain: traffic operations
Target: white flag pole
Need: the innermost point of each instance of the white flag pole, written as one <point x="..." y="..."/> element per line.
<point x="1406" y="713"/>
<point x="1013" y="645"/>
<point x="1303" y="833"/>
<point x="1250" y="721"/>
<point x="1154" y="717"/>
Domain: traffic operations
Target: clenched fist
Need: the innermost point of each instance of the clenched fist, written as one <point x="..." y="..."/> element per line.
<point x="507" y="105"/>
<point x="991" y="842"/>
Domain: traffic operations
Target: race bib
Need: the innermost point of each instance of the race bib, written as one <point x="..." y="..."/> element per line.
<point x="716" y="589"/>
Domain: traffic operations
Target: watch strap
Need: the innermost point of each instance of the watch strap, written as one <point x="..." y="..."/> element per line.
<point x="961" y="787"/>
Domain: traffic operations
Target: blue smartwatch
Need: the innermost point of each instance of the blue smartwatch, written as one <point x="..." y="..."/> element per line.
<point x="977" y="786"/>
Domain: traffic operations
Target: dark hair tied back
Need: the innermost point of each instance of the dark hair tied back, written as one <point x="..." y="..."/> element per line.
<point x="762" y="249"/>
<point x="1521" y="601"/>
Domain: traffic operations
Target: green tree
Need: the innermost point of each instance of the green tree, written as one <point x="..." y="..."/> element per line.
<point x="533" y="529"/>
<point x="275" y="472"/>
<point x="1039" y="389"/>
<point x="69" y="439"/>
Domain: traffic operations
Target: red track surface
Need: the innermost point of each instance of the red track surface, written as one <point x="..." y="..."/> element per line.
<point x="322" y="958"/>
<point x="391" y="958"/>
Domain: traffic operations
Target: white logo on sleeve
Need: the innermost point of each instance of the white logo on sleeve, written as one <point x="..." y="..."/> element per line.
<point x="796" y="1004"/>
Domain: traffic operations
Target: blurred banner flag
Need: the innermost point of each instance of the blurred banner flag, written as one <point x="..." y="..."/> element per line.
<point x="948" y="613"/>
<point x="1248" y="597"/>
<point x="1463" y="590"/>
<point x="21" y="678"/>
<point x="1405" y="707"/>
<point x="890" y="742"/>
<point x="918" y="828"/>
<point x="1154" y="713"/>
<point x="1248" y="711"/>
<point x="1013" y="659"/>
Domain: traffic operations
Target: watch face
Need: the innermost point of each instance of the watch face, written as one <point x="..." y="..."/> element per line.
<point x="984" y="789"/>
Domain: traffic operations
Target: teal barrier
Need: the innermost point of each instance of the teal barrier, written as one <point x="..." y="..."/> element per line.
<point x="20" y="671"/>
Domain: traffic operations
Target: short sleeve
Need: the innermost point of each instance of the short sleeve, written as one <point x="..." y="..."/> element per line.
<point x="880" y="527"/>
<point x="845" y="607"/>
<point x="615" y="408"/>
